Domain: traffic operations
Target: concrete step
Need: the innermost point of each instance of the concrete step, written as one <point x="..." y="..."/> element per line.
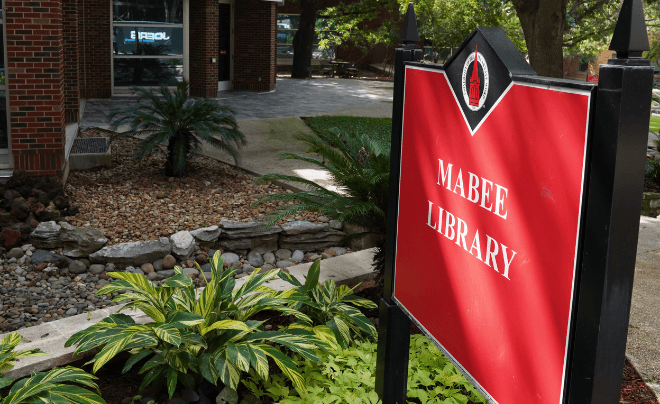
<point x="349" y="269"/>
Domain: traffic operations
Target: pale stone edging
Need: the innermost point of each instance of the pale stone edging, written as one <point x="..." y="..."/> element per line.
<point x="349" y="269"/>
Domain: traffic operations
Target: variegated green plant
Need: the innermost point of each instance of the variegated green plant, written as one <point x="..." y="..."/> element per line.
<point x="192" y="336"/>
<point x="43" y="387"/>
<point x="328" y="304"/>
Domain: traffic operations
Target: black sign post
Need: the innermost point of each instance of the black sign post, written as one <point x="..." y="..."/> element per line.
<point x="615" y="149"/>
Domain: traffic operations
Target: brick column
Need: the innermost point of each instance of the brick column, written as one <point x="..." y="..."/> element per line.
<point x="94" y="55"/>
<point x="255" y="42"/>
<point x="71" y="71"/>
<point x="35" y="77"/>
<point x="203" y="47"/>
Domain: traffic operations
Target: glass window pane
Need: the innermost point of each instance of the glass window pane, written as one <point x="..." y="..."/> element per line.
<point x="3" y="119"/>
<point x="285" y="36"/>
<point x="288" y="21"/>
<point x="147" y="72"/>
<point x="285" y="52"/>
<point x="147" y="41"/>
<point x="154" y="11"/>
<point x="319" y="53"/>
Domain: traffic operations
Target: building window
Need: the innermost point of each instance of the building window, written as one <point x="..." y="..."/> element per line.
<point x="583" y="67"/>
<point x="149" y="40"/>
<point x="287" y="26"/>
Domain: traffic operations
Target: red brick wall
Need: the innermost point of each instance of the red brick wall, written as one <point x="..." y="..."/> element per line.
<point x="35" y="76"/>
<point x="71" y="72"/>
<point x="203" y="47"/>
<point x="255" y="34"/>
<point x="94" y="57"/>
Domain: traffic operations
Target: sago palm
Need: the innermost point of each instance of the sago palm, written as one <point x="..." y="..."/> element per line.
<point x="169" y="117"/>
<point x="359" y="166"/>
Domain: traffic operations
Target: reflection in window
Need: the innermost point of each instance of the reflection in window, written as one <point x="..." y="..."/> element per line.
<point x="287" y="26"/>
<point x="148" y="11"/>
<point x="147" y="41"/>
<point x="147" y="72"/>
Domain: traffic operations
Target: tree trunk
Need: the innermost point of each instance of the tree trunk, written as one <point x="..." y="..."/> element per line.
<point x="542" y="22"/>
<point x="303" y="41"/>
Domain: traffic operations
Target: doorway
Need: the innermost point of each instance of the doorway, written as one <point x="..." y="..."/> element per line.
<point x="225" y="45"/>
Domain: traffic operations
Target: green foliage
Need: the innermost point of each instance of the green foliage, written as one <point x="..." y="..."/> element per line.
<point x="330" y="306"/>
<point x="653" y="171"/>
<point x="654" y="124"/>
<point x="43" y="387"/>
<point x="378" y="129"/>
<point x="192" y="337"/>
<point x="358" y="165"/>
<point x="347" y="376"/>
<point x="169" y="117"/>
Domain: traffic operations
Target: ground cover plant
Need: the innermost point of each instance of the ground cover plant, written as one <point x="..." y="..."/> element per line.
<point x="191" y="339"/>
<point x="347" y="376"/>
<point x="330" y="305"/>
<point x="169" y="117"/>
<point x="361" y="169"/>
<point x="373" y="128"/>
<point x="43" y="387"/>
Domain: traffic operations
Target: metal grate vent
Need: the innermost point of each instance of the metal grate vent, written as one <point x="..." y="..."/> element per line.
<point x="90" y="145"/>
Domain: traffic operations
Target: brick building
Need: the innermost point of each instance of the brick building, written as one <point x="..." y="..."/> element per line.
<point x="58" y="53"/>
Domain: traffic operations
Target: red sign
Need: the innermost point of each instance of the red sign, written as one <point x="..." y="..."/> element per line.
<point x="592" y="79"/>
<point x="488" y="224"/>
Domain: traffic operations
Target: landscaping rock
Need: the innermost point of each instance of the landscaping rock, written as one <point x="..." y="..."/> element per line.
<point x="267" y="267"/>
<point x="20" y="208"/>
<point x="166" y="273"/>
<point x="206" y="234"/>
<point x="80" y="241"/>
<point x="182" y="244"/>
<point x="155" y="276"/>
<point x="248" y="269"/>
<point x="39" y="256"/>
<point x="311" y="242"/>
<point x="132" y="253"/>
<point x="298" y="255"/>
<point x="147" y="268"/>
<point x="96" y="269"/>
<point x="255" y="259"/>
<point x="169" y="262"/>
<point x="192" y="272"/>
<point x="259" y="244"/>
<point x="269" y="258"/>
<point x="236" y="230"/>
<point x="46" y="235"/>
<point x="158" y="265"/>
<point x="338" y="250"/>
<point x="283" y="254"/>
<point x="16" y="252"/>
<point x="202" y="259"/>
<point x="77" y="267"/>
<point x="206" y="268"/>
<point x="134" y="270"/>
<point x="10" y="238"/>
<point x="335" y="225"/>
<point x="230" y="258"/>
<point x="284" y="264"/>
<point x="292" y="228"/>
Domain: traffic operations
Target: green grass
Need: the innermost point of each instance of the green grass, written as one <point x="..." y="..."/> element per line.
<point x="654" y="125"/>
<point x="374" y="128"/>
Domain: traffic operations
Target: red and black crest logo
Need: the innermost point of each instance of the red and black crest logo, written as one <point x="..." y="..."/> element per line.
<point x="479" y="77"/>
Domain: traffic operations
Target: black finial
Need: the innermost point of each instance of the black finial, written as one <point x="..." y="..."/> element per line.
<point x="409" y="33"/>
<point x="630" y="38"/>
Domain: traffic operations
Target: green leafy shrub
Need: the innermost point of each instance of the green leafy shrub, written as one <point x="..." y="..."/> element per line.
<point x="190" y="337"/>
<point x="326" y="304"/>
<point x="168" y="117"/>
<point x="43" y="387"/>
<point x="653" y="170"/>
<point x="348" y="376"/>
<point x="379" y="129"/>
<point x="360" y="167"/>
